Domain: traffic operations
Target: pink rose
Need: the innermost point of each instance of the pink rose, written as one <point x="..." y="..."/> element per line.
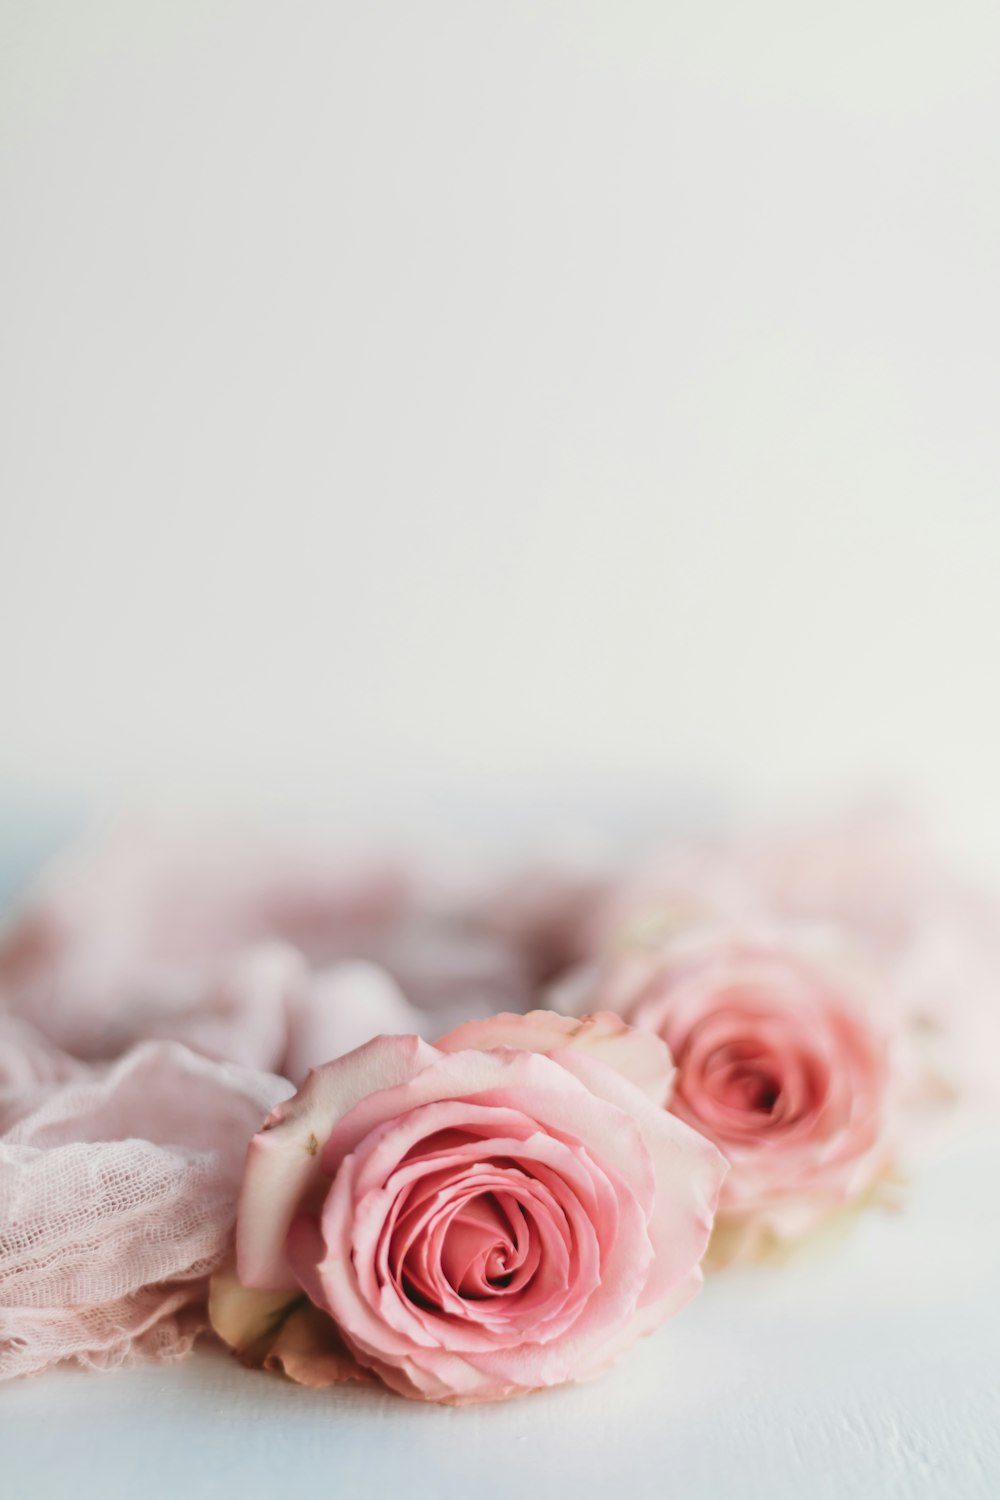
<point x="508" y="1210"/>
<point x="781" y="1061"/>
<point x="877" y="885"/>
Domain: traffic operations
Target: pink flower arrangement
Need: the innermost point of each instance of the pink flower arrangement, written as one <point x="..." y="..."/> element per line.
<point x="745" y="1040"/>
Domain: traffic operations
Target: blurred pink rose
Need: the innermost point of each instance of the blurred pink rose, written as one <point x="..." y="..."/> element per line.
<point x="781" y="1060"/>
<point x="873" y="885"/>
<point x="470" y="1221"/>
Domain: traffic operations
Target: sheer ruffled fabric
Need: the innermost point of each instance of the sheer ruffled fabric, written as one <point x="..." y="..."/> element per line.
<point x="241" y="946"/>
<point x="118" y="1188"/>
<point x="156" y="991"/>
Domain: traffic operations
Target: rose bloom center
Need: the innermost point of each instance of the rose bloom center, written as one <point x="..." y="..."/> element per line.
<point x="747" y="1080"/>
<point x="465" y="1238"/>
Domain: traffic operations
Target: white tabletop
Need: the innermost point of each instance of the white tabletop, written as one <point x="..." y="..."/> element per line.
<point x="873" y="1371"/>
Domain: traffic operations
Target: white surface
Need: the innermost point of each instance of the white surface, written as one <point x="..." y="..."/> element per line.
<point x="462" y="388"/>
<point x="872" y="1373"/>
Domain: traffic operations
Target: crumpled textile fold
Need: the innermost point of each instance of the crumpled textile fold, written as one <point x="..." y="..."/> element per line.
<point x="118" y="1187"/>
<point x="248" y="948"/>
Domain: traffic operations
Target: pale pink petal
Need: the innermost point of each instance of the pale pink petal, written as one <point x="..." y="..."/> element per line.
<point x="604" y="1035"/>
<point x="689" y="1173"/>
<point x="284" y="1159"/>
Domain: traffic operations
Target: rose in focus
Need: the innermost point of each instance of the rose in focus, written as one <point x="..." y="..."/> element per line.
<point x="782" y="1060"/>
<point x="505" y="1211"/>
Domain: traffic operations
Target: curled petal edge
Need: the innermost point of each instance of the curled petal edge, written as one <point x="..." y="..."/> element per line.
<point x="639" y="1056"/>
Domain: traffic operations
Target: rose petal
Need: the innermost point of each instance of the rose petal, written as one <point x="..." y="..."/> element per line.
<point x="284" y="1165"/>
<point x="271" y="1331"/>
<point x="309" y="1350"/>
<point x="603" y="1035"/>
<point x="689" y="1172"/>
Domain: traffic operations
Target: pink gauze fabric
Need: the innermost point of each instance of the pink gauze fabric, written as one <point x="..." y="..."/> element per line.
<point x="153" y="987"/>
<point x="269" y="952"/>
<point x="118" y="1187"/>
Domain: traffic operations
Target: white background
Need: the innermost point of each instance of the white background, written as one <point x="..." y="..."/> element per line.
<point x="493" y="393"/>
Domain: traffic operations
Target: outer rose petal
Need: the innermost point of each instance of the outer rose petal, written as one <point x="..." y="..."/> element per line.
<point x="245" y="1318"/>
<point x="539" y="1085"/>
<point x="603" y="1035"/>
<point x="284" y="1172"/>
<point x="275" y="1332"/>
<point x="689" y="1172"/>
<point x="309" y="1351"/>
